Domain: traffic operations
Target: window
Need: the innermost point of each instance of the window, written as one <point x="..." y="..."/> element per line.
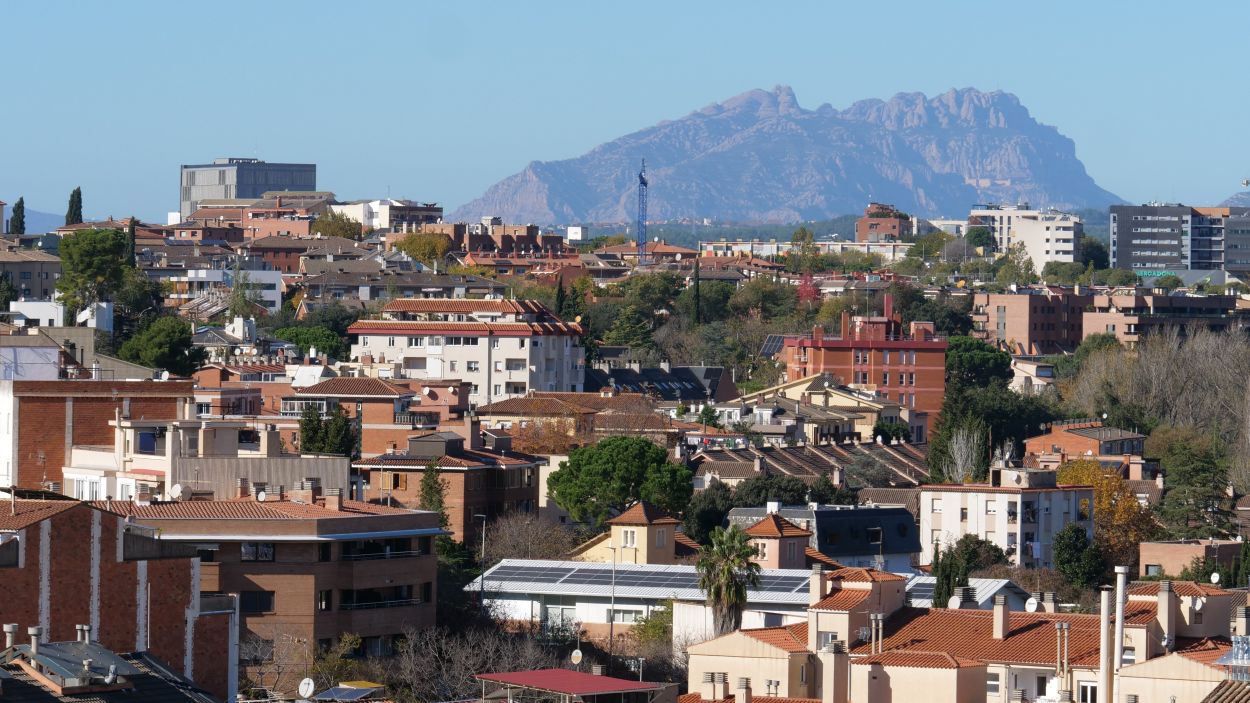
<point x="323" y="551"/>
<point x="471" y="366"/>
<point x="963" y="515"/>
<point x="1087" y="692"/>
<point x="325" y="599"/>
<point x="1197" y="619"/>
<point x="451" y="366"/>
<point x="629" y="538"/>
<point x="1129" y="656"/>
<point x="991" y="507"/>
<point x="256" y="601"/>
<point x="256" y="551"/>
<point x="494" y="344"/>
<point x="761" y="548"/>
<point x="991" y="684"/>
<point x="1041" y="686"/>
<point x="390" y="341"/>
<point x="256" y="651"/>
<point x="827" y="638"/>
<point x="1154" y="569"/>
<point x="660" y="537"/>
<point x="792" y="550"/>
<point x="802" y="673"/>
<point x="626" y="616"/>
<point x="427" y="592"/>
<point x="874" y="535"/>
<point x="935" y="505"/>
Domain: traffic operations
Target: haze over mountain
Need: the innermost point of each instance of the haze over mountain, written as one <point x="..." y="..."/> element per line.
<point x="760" y="157"/>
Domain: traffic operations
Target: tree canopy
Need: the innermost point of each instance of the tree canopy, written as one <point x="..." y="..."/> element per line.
<point x="429" y="248"/>
<point x="603" y="479"/>
<point x="333" y="224"/>
<point x="17" y="217"/>
<point x="726" y="569"/>
<point x="972" y="363"/>
<point x="164" y="344"/>
<point x="93" y="266"/>
<point x="306" y="337"/>
<point x="73" y="213"/>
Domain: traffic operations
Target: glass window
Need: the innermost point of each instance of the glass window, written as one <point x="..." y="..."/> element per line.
<point x="629" y="538"/>
<point x="325" y="599"/>
<point x="256" y="601"/>
<point x="256" y="551"/>
<point x="991" y="684"/>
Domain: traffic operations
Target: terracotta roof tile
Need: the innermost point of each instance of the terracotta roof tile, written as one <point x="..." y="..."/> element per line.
<point x="1186" y="589"/>
<point x="21" y="514"/>
<point x="1204" y="651"/>
<point x="644" y="513"/>
<point x="597" y="401"/>
<point x="843" y="600"/>
<point x="814" y="556"/>
<point x="919" y="660"/>
<point x="773" y="525"/>
<point x="791" y="638"/>
<point x="531" y="405"/>
<point x="685" y="546"/>
<point x="855" y="574"/>
<point x="462" y="305"/>
<point x="356" y="388"/>
<point x="1229" y="692"/>
<point x="468" y="459"/>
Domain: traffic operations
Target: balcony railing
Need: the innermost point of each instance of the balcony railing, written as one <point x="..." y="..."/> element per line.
<point x="417" y="420"/>
<point x="381" y="604"/>
<point x="382" y="555"/>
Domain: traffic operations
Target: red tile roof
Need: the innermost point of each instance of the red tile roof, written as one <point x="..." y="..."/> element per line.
<point x="356" y="388"/>
<point x="243" y="509"/>
<point x="1204" y="651"/>
<point x="857" y="574"/>
<point x="534" y="406"/>
<point x="461" y="305"/>
<point x="567" y="682"/>
<point x="468" y="459"/>
<point x="843" y="600"/>
<point x="23" y="513"/>
<point x="598" y="401"/>
<point x="814" y="556"/>
<point x="775" y="526"/>
<point x="1186" y="589"/>
<point x="644" y="513"/>
<point x="790" y="638"/>
<point x="497" y="328"/>
<point x="919" y="660"/>
<point x="685" y="546"/>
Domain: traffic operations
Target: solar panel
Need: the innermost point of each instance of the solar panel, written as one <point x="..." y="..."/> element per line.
<point x="342" y="693"/>
<point x="772" y="344"/>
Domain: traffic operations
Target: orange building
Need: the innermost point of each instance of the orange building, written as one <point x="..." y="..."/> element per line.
<point x="882" y="223"/>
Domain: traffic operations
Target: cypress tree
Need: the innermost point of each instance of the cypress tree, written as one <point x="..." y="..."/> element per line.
<point x="561" y="298"/>
<point x="73" y="215"/>
<point x="17" y="221"/>
<point x="698" y="314"/>
<point x="130" y="242"/>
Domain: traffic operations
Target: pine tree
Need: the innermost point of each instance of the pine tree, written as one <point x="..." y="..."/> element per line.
<point x="434" y="494"/>
<point x="73" y="215"/>
<point x="311" y="432"/>
<point x="561" y="298"/>
<point x="17" y="221"/>
<point x="130" y="242"/>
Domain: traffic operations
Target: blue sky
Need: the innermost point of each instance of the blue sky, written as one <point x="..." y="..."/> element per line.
<point x="437" y="101"/>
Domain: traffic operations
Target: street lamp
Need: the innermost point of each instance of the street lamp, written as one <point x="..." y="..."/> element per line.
<point x="482" y="590"/>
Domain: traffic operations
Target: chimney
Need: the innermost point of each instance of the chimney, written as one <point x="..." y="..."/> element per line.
<point x="772" y="506"/>
<point x="1002" y="618"/>
<point x="743" y="694"/>
<point x="1050" y="602"/>
<point x="306" y="491"/>
<point x="334" y="499"/>
<point x="78" y="633"/>
<point x="35" y="633"/>
<point x="1241" y="619"/>
<point x="1104" y="643"/>
<point x="1166" y="614"/>
<point x="86" y="633"/>
<point x="816" y="585"/>
<point x="473" y="427"/>
<point x="259" y="487"/>
<point x="1121" y="586"/>
<point x="10" y="634"/>
<point x="818" y="334"/>
<point x="711" y="685"/>
<point x="967" y="597"/>
<point x="834" y="673"/>
<point x="244" y="489"/>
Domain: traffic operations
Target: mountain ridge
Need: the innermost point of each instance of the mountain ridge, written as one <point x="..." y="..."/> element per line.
<point x="761" y="157"/>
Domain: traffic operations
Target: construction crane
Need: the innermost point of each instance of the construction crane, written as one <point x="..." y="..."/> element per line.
<point x="642" y="214"/>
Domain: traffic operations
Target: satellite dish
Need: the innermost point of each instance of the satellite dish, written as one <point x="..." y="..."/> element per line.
<point x="306" y="688"/>
<point x="1030" y="605"/>
<point x="1215" y="577"/>
<point x="237" y="352"/>
<point x="260" y="497"/>
<point x="953" y="603"/>
<point x="576" y="656"/>
<point x="175" y="491"/>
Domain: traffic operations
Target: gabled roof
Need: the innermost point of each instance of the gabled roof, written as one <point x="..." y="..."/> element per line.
<point x="918" y="660"/>
<point x="366" y="387"/>
<point x="775" y="526"/>
<point x="466" y="306"/>
<point x="855" y="574"/>
<point x="843" y="600"/>
<point x="790" y="638"/>
<point x="1229" y="692"/>
<point x="1185" y="589"/>
<point x="535" y="406"/>
<point x="20" y="514"/>
<point x="644" y="513"/>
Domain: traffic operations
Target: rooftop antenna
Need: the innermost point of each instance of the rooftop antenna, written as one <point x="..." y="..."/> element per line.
<point x="642" y="214"/>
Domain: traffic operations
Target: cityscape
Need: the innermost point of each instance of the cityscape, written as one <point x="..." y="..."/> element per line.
<point x="329" y="388"/>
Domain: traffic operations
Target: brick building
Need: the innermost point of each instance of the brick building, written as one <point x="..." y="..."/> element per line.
<point x="64" y="563"/>
<point x="1131" y="314"/>
<point x="1037" y="320"/>
<point x="307" y="566"/>
<point x="876" y="354"/>
<point x="40" y="421"/>
<point x="882" y="223"/>
<point x="478" y="480"/>
<point x="283" y="253"/>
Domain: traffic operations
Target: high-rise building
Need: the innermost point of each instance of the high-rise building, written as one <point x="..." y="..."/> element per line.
<point x="232" y="178"/>
<point x="1159" y="238"/>
<point x="1046" y="235"/>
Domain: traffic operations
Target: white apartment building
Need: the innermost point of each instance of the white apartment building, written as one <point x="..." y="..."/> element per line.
<point x="1020" y="510"/>
<point x="502" y="348"/>
<point x="389" y="215"/>
<point x="1047" y="235"/>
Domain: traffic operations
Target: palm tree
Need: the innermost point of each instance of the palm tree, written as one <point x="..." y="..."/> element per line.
<point x="725" y="571"/>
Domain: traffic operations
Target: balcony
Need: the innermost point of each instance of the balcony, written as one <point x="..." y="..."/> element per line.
<point x="417" y="421"/>
<point x="374" y="605"/>
<point x="370" y="556"/>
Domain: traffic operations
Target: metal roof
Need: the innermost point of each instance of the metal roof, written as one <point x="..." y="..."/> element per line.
<point x="678" y="581"/>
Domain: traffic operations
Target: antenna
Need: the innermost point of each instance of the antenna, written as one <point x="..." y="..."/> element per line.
<point x="642" y="214"/>
<point x="306" y="688"/>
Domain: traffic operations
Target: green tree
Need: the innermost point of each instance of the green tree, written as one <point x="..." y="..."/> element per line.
<point x="980" y="237"/>
<point x="760" y="489"/>
<point x="765" y="298"/>
<point x="971" y="363"/>
<point x="726" y="570"/>
<point x="340" y="434"/>
<point x="429" y="248"/>
<point x="709" y="302"/>
<point x="137" y="302"/>
<point x="1069" y="365"/>
<point x="707" y="510"/>
<point x="129" y="252"/>
<point x="697" y="313"/>
<point x="323" y="338"/>
<point x="561" y="298"/>
<point x="73" y="213"/>
<point x="1016" y="267"/>
<point x="164" y="344"/>
<point x="889" y="431"/>
<point x="333" y="224"/>
<point x="632" y="329"/>
<point x="243" y="295"/>
<point x="1195" y="501"/>
<point x="1094" y="253"/>
<point x="7" y="292"/>
<point x="602" y="479"/>
<point x="1169" y="282"/>
<point x="93" y="266"/>
<point x="311" y="430"/>
<point x="434" y="494"/>
<point x="1077" y="558"/>
<point x="953" y="565"/>
<point x="17" y="219"/>
<point x="708" y="416"/>
<point x="1116" y="277"/>
<point x="1241" y="572"/>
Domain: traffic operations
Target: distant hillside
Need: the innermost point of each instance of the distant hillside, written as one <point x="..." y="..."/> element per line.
<point x="37" y="222"/>
<point x="760" y="157"/>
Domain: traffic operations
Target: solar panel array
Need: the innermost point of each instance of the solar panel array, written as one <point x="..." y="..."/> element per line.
<point x="343" y="693"/>
<point x="601" y="575"/>
<point x="772" y="344"/>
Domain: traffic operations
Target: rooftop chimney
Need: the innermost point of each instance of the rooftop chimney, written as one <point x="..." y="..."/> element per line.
<point x="1241" y="618"/>
<point x="35" y="633"/>
<point x="743" y="694"/>
<point x="334" y="499"/>
<point x="244" y="489"/>
<point x="967" y="597"/>
<point x="816" y="584"/>
<point x="1166" y="614"/>
<point x="1002" y="618"/>
<point x="10" y="634"/>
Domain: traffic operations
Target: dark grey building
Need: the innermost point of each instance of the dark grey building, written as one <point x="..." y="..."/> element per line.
<point x="240" y="178"/>
<point x="882" y="538"/>
<point x="1155" y="239"/>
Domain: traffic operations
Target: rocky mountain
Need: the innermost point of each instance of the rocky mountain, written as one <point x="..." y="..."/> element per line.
<point x="760" y="157"/>
<point x="1241" y="199"/>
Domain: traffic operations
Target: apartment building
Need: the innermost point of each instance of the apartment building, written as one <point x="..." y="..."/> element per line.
<point x="492" y="235"/>
<point x="479" y="479"/>
<point x="1131" y="314"/>
<point x="284" y="253"/>
<point x="502" y="348"/>
<point x="390" y="215"/>
<point x="350" y="287"/>
<point x="233" y="177"/>
<point x="1046" y="235"/>
<point x="65" y="564"/>
<point x="1020" y="510"/>
<point x="307" y="565"/>
<point x="198" y="277"/>
<point x="1161" y="238"/>
<point x="882" y="223"/>
<point x="876" y="354"/>
<point x="32" y="273"/>
<point x="882" y="538"/>
<point x="1034" y="320"/>
<point x="41" y="421"/>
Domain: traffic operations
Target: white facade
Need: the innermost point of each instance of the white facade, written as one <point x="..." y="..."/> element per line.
<point x="1047" y="235"/>
<point x="193" y="283"/>
<point x="577" y="233"/>
<point x="1020" y="518"/>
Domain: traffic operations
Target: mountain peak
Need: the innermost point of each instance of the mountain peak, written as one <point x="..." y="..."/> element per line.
<point x="760" y="157"/>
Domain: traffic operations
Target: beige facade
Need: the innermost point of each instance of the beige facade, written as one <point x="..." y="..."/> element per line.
<point x="642" y="534"/>
<point x="1046" y="235"/>
<point x="1175" y="677"/>
<point x="874" y="681"/>
<point x="739" y="654"/>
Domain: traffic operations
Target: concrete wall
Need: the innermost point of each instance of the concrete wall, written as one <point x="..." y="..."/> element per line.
<point x="221" y="474"/>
